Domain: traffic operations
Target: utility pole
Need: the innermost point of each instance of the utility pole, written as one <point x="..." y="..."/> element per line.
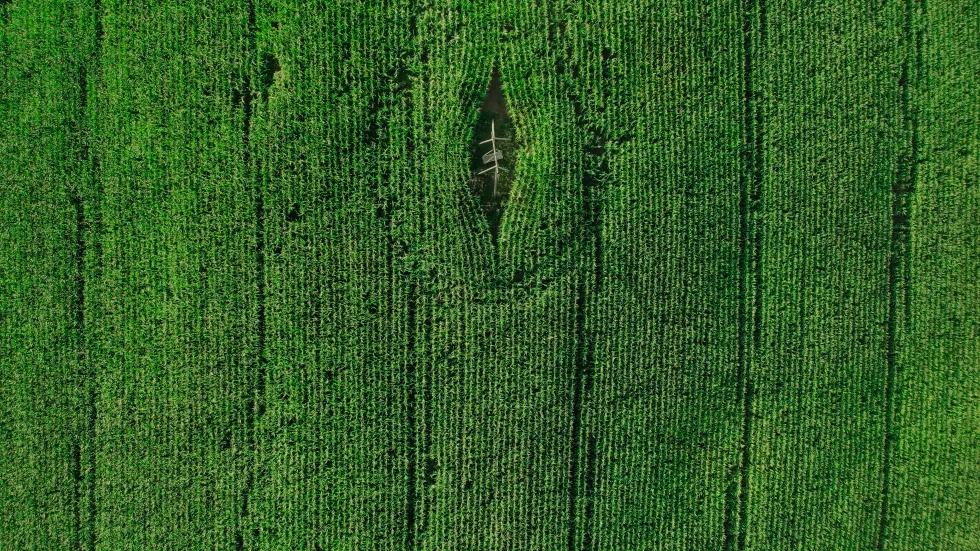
<point x="492" y="156"/>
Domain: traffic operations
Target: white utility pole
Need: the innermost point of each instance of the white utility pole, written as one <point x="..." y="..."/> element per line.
<point x="492" y="156"/>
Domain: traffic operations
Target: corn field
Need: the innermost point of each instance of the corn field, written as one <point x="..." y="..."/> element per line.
<point x="566" y="275"/>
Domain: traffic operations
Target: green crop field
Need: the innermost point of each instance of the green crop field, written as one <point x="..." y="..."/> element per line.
<point x="720" y="291"/>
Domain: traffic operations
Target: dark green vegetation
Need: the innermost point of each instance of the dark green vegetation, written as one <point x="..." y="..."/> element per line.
<point x="726" y="297"/>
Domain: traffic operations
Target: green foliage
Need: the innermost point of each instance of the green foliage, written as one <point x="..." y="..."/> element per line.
<point x="253" y="294"/>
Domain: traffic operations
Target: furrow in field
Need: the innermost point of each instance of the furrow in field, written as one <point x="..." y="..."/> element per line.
<point x="829" y="124"/>
<point x="172" y="337"/>
<point x="659" y="123"/>
<point x="338" y="459"/>
<point x="44" y="375"/>
<point x="935" y="430"/>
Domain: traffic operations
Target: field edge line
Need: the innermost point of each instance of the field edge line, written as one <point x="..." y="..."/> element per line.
<point x="903" y="187"/>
